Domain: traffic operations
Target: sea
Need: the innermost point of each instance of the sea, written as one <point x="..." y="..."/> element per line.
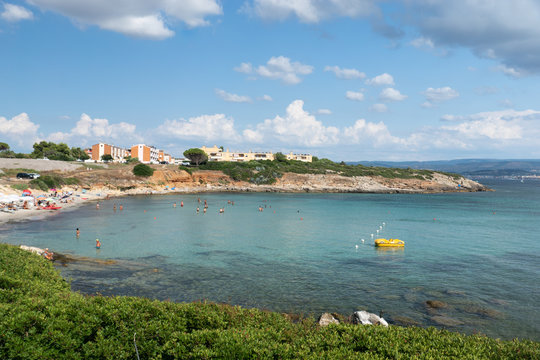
<point x="477" y="254"/>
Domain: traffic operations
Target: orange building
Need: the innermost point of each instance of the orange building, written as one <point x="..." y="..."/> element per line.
<point x="146" y="154"/>
<point x="118" y="154"/>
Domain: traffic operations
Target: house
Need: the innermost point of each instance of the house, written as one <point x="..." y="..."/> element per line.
<point x="217" y="154"/>
<point x="146" y="154"/>
<point x="98" y="150"/>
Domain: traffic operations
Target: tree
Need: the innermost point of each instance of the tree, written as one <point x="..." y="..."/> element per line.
<point x="107" y="157"/>
<point x="280" y="157"/>
<point x="4" y="146"/>
<point x="79" y="153"/>
<point x="196" y="156"/>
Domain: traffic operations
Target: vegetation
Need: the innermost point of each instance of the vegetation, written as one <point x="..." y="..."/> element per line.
<point x="5" y="152"/>
<point x="143" y="170"/>
<point x="60" y="151"/>
<point x="20" y="187"/>
<point x="267" y="172"/>
<point x="41" y="318"/>
<point x="131" y="160"/>
<point x="186" y="169"/>
<point x="47" y="182"/>
<point x="107" y="157"/>
<point x="196" y="156"/>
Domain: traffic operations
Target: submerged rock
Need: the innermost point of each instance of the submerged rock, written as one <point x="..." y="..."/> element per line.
<point x="405" y="321"/>
<point x="327" y="319"/>
<point x="446" y="321"/>
<point x="436" y="304"/>
<point x="366" y="318"/>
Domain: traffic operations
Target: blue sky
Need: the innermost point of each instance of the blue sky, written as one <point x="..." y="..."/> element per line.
<point x="343" y="79"/>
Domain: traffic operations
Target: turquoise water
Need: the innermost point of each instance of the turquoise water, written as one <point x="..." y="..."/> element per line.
<point x="477" y="252"/>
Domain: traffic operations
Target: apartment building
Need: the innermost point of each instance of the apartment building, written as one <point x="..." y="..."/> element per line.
<point x="218" y="154"/>
<point x="118" y="154"/>
<point x="146" y="154"/>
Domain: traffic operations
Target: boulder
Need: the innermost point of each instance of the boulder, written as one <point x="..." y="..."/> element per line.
<point x="327" y="319"/>
<point x="446" y="321"/>
<point x="366" y="318"/>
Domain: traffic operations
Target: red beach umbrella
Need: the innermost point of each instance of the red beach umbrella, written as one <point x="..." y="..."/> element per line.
<point x="27" y="192"/>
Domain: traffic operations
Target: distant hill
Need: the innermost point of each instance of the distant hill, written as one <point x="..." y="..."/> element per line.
<point x="469" y="167"/>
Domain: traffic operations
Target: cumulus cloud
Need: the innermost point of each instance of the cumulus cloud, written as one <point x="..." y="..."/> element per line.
<point x="391" y="94"/>
<point x="383" y="79"/>
<point x="139" y="18"/>
<point x="345" y="73"/>
<point x="232" y="97"/>
<point x="204" y="127"/>
<point x="14" y="13"/>
<point x="19" y="129"/>
<point x="495" y="125"/>
<point x="354" y="95"/>
<point x="438" y="95"/>
<point x="297" y="127"/>
<point x="381" y="108"/>
<point x="364" y="131"/>
<point x="510" y="71"/>
<point x="279" y="68"/>
<point x="310" y="11"/>
<point x="88" y="130"/>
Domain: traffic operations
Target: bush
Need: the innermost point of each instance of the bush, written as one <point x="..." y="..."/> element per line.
<point x="186" y="169"/>
<point x="47" y="182"/>
<point x="41" y="318"/>
<point x="143" y="170"/>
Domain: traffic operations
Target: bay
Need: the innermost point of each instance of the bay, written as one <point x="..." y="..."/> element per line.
<point x="479" y="253"/>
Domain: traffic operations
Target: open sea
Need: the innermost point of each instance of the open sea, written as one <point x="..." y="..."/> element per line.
<point x="479" y="253"/>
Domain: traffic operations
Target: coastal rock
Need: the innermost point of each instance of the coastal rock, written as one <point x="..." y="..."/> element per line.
<point x="366" y="318"/>
<point x="405" y="321"/>
<point x="327" y="319"/>
<point x="33" y="249"/>
<point x="436" y="304"/>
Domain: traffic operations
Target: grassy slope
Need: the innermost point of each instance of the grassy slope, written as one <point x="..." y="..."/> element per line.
<point x="40" y="318"/>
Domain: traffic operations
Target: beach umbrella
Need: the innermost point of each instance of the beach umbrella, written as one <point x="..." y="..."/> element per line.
<point x="27" y="192"/>
<point x="40" y="196"/>
<point x="53" y="189"/>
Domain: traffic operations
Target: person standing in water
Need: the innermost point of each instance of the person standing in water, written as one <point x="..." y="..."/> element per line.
<point x="174" y="205"/>
<point x="98" y="244"/>
<point x="78" y="233"/>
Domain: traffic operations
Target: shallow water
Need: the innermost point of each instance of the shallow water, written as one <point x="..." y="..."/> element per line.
<point x="477" y="252"/>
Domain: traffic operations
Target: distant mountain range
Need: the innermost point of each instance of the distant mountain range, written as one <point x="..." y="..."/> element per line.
<point x="469" y="167"/>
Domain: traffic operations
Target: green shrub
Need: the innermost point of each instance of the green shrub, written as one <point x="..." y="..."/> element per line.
<point x="143" y="170"/>
<point x="186" y="169"/>
<point x="41" y="318"/>
<point x="19" y="186"/>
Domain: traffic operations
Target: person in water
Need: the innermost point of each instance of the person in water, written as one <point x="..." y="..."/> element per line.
<point x="78" y="233"/>
<point x="97" y="206"/>
<point x="98" y="244"/>
<point x="114" y="208"/>
<point x="174" y="205"/>
<point x="197" y="210"/>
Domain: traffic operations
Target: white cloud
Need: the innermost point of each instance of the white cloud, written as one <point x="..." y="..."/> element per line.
<point x="383" y="79"/>
<point x="354" y="95"/>
<point x="139" y="18"/>
<point x="362" y="131"/>
<point x="438" y="95"/>
<point x="280" y="68"/>
<point x="14" y="13"/>
<point x="310" y="11"/>
<point x="265" y="98"/>
<point x="510" y="71"/>
<point x="507" y="103"/>
<point x="297" y="127"/>
<point x="391" y="94"/>
<point x="345" y="73"/>
<point x="232" y="97"/>
<point x="497" y="125"/>
<point x="324" y="112"/>
<point x="204" y="127"/>
<point x="19" y="129"/>
<point x="422" y="42"/>
<point x="381" y="108"/>
<point x="88" y="130"/>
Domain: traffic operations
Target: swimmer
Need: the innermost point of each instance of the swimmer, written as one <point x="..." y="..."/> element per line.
<point x="204" y="210"/>
<point x="181" y="204"/>
<point x="174" y="205"/>
<point x="98" y="244"/>
<point x="221" y="210"/>
<point x="97" y="206"/>
<point x="121" y="207"/>
<point x="78" y="233"/>
<point x="114" y="208"/>
<point x="197" y="210"/>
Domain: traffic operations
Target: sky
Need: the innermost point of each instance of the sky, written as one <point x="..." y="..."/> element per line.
<point x="348" y="80"/>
